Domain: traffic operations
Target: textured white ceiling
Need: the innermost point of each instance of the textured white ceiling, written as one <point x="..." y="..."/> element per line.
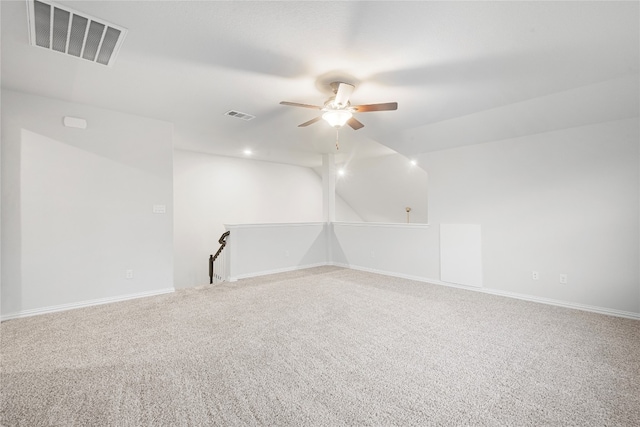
<point x="461" y="72"/>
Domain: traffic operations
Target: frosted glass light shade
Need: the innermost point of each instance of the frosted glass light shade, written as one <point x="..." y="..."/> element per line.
<point x="337" y="118"/>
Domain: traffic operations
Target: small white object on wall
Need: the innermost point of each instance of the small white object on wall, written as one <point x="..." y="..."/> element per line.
<point x="75" y="122"/>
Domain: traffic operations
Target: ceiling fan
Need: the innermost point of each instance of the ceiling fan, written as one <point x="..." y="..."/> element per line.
<point x="338" y="111"/>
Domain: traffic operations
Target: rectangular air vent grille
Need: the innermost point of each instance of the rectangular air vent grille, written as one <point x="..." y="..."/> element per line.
<point x="239" y="115"/>
<point x="67" y="31"/>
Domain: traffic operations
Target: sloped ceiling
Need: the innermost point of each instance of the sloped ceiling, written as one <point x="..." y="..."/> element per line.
<point x="462" y="72"/>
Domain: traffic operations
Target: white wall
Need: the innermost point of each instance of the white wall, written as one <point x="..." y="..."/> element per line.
<point x="380" y="188"/>
<point x="563" y="202"/>
<point x="78" y="205"/>
<point x="258" y="249"/>
<point x="211" y="191"/>
<point x="402" y="250"/>
<point x="394" y="249"/>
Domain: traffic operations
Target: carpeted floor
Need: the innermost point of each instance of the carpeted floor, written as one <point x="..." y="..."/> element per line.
<point x="321" y="347"/>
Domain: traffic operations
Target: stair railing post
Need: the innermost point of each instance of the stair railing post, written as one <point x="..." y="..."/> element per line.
<point x="210" y="269"/>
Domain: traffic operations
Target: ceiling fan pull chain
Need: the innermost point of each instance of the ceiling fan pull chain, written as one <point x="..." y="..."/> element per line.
<point x="337" y="134"/>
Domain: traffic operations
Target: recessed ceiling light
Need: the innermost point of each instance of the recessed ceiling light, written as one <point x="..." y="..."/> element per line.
<point x="341" y="172"/>
<point x="247" y="152"/>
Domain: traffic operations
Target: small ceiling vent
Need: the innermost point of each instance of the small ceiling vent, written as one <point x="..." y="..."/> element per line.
<point x="239" y="115"/>
<point x="61" y="29"/>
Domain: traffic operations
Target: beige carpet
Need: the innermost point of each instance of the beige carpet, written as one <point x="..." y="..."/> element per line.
<point x="321" y="347"/>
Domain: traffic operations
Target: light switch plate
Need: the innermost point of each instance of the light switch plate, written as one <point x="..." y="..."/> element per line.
<point x="159" y="209"/>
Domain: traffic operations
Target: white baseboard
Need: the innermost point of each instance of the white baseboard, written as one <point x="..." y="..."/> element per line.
<point x="276" y="271"/>
<point x="531" y="298"/>
<point x="81" y="304"/>
<point x="524" y="297"/>
<point x="573" y="305"/>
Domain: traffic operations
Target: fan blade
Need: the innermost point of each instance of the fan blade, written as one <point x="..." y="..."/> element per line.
<point x="310" y="122"/>
<point x="375" y="107"/>
<point x="295" y="104"/>
<point x="354" y="124"/>
<point x="342" y="95"/>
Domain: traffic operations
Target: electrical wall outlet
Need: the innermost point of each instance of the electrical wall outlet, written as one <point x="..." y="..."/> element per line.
<point x="128" y="274"/>
<point x="535" y="275"/>
<point x="563" y="279"/>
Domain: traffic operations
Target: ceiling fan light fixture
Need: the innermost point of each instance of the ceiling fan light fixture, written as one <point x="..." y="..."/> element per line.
<point x="337" y="118"/>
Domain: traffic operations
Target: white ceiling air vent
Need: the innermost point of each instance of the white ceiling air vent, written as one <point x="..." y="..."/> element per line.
<point x="61" y="29"/>
<point x="239" y="115"/>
